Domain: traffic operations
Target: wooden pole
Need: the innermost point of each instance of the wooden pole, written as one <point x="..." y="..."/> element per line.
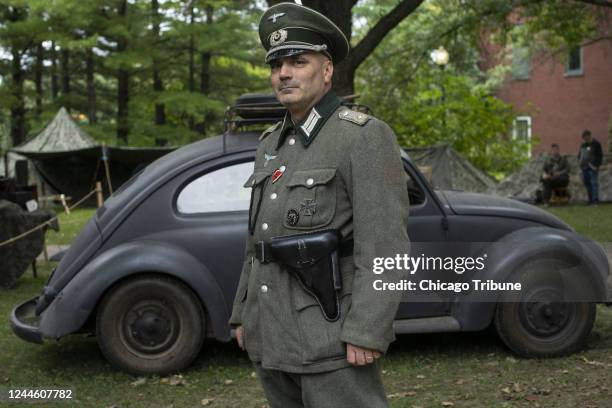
<point x="99" y="195"/>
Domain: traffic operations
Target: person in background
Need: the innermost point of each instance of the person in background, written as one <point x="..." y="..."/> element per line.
<point x="555" y="173"/>
<point x="590" y="157"/>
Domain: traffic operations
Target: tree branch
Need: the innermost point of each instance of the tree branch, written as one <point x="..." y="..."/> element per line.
<point x="599" y="3"/>
<point x="380" y="30"/>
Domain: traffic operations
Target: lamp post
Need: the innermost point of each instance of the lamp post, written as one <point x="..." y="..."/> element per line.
<point x="440" y="57"/>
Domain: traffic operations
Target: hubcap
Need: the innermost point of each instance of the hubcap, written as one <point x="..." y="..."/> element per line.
<point x="543" y="313"/>
<point x="150" y="326"/>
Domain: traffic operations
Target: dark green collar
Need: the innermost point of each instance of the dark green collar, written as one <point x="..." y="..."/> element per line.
<point x="310" y="126"/>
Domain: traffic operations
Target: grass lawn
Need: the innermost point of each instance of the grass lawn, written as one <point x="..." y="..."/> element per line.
<point x="462" y="369"/>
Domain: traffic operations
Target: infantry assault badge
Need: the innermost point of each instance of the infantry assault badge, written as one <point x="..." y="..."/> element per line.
<point x="278" y="37"/>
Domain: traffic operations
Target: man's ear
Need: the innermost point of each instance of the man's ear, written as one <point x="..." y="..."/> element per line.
<point x="328" y="70"/>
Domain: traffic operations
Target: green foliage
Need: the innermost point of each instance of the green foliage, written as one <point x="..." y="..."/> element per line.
<point x="427" y="104"/>
<point x="122" y="36"/>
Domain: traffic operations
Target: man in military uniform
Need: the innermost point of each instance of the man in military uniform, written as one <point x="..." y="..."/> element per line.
<point x="555" y="173"/>
<point x="324" y="167"/>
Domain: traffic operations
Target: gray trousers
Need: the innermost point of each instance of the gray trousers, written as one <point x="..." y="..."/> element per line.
<point x="350" y="387"/>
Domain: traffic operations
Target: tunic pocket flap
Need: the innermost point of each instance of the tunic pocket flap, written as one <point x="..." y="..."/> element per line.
<point x="256" y="178"/>
<point x="311" y="178"/>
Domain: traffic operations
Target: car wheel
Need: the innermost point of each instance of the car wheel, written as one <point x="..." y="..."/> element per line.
<point x="150" y="325"/>
<point x="535" y="322"/>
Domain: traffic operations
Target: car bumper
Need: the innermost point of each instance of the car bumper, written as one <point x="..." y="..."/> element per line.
<point x="24" y="322"/>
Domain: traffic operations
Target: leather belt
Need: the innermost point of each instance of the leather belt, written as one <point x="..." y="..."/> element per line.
<point x="264" y="254"/>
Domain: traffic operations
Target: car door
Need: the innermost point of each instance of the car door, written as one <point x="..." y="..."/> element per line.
<point x="211" y="206"/>
<point x="427" y="229"/>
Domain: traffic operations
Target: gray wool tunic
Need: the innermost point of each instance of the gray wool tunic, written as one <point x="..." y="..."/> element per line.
<point x="337" y="169"/>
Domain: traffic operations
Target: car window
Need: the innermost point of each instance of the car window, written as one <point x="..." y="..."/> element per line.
<point x="416" y="195"/>
<point x="217" y="191"/>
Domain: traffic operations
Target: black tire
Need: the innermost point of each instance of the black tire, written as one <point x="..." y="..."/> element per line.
<point x="533" y="322"/>
<point x="150" y="325"/>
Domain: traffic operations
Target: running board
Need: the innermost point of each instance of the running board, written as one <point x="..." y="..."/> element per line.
<point x="427" y="325"/>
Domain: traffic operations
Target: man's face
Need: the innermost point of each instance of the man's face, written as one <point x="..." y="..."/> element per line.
<point x="587" y="138"/>
<point x="554" y="151"/>
<point x="301" y="80"/>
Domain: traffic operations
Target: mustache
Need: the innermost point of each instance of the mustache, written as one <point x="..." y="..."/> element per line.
<point x="288" y="85"/>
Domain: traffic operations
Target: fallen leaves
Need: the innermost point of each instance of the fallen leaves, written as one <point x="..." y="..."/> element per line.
<point x="401" y="394"/>
<point x="174" y="380"/>
<point x="140" y="381"/>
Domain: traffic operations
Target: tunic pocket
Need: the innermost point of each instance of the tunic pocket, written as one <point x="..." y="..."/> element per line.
<point x="256" y="182"/>
<point x="311" y="199"/>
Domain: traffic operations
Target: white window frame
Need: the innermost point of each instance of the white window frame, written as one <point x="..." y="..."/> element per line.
<point x="515" y="130"/>
<point x="574" y="72"/>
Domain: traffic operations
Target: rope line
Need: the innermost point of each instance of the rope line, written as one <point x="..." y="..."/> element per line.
<point x="36" y="228"/>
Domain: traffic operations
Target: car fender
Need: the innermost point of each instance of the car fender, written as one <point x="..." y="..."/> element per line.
<point x="518" y="247"/>
<point x="74" y="304"/>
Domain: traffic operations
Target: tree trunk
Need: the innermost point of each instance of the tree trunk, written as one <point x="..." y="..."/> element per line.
<point x="123" y="94"/>
<point x="123" y="90"/>
<point x="54" y="81"/>
<point x="191" y="84"/>
<point x="91" y="88"/>
<point x="205" y="72"/>
<point x="38" y="76"/>
<point x="158" y="86"/>
<point x="65" y="68"/>
<point x="18" y="106"/>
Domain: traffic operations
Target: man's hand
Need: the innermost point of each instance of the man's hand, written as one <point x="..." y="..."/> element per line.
<point x="358" y="356"/>
<point x="239" y="336"/>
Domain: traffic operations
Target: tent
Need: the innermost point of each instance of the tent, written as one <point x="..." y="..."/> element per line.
<point x="450" y="170"/>
<point x="524" y="183"/>
<point x="70" y="162"/>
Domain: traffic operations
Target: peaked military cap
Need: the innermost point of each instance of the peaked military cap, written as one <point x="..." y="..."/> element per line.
<point x="288" y="29"/>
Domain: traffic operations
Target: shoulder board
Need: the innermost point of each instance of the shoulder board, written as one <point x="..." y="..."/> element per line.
<point x="353" y="116"/>
<point x="269" y="130"/>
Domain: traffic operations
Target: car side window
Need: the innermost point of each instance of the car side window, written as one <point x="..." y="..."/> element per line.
<point x="220" y="190"/>
<point x="416" y="195"/>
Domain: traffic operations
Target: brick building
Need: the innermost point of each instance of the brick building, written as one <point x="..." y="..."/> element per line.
<point x="557" y="97"/>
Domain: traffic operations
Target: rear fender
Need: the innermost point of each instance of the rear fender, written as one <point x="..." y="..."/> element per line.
<point x="74" y="304"/>
<point x="519" y="247"/>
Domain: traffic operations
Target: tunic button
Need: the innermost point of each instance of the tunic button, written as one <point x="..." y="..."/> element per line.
<point x="282" y="168"/>
<point x="264" y="226"/>
<point x="292" y="141"/>
<point x="310" y="181"/>
<point x="264" y="289"/>
<point x="273" y="196"/>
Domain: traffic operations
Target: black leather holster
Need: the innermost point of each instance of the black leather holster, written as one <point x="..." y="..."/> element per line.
<point x="313" y="259"/>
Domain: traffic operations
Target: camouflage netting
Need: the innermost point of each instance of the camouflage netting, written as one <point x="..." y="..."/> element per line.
<point x="69" y="161"/>
<point x="450" y="170"/>
<point x="17" y="256"/>
<point x="523" y="184"/>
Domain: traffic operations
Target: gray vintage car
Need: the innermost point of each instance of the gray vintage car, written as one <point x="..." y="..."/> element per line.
<point x="155" y="271"/>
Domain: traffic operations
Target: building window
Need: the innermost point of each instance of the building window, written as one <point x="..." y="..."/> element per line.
<point x="574" y="61"/>
<point x="520" y="62"/>
<point x="522" y="131"/>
